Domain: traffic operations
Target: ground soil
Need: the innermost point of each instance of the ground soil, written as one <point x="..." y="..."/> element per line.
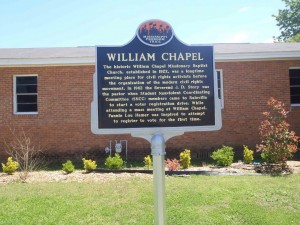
<point x="81" y="176"/>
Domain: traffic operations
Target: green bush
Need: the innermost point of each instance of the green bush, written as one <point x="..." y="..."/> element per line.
<point x="68" y="167"/>
<point x="248" y="155"/>
<point x="115" y="162"/>
<point x="223" y="156"/>
<point x="148" y="162"/>
<point x="10" y="167"/>
<point x="185" y="159"/>
<point x="89" y="165"/>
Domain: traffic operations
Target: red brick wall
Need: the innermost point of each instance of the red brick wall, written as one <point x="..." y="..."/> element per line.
<point x="65" y="94"/>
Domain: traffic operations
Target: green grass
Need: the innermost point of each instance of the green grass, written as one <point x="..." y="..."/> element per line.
<point x="195" y="200"/>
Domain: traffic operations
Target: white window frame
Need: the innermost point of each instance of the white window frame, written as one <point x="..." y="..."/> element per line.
<point x="221" y="86"/>
<point x="293" y="68"/>
<point x="15" y="94"/>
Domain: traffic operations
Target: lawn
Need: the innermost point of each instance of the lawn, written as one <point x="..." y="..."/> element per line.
<point x="190" y="200"/>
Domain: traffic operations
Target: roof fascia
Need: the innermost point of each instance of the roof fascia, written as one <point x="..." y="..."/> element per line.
<point x="219" y="57"/>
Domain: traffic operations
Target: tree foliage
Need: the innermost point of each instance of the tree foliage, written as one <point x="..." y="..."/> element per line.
<point x="288" y="20"/>
<point x="278" y="144"/>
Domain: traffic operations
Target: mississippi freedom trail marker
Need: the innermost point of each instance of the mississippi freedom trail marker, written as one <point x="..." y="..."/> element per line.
<point x="155" y="87"/>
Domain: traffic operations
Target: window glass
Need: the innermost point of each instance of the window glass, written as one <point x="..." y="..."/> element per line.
<point x="295" y="86"/>
<point x="26" y="94"/>
<point x="220" y="87"/>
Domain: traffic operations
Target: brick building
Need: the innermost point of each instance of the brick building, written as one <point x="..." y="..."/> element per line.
<point x="48" y="92"/>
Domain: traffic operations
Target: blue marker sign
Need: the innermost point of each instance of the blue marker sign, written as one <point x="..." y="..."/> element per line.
<point x="155" y="83"/>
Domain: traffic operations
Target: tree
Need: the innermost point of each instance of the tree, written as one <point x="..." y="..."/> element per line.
<point x="288" y="20"/>
<point x="278" y="144"/>
<point x="296" y="38"/>
<point x="25" y="151"/>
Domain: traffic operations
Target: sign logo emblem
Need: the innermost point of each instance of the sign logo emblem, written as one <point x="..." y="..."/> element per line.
<point x="155" y="33"/>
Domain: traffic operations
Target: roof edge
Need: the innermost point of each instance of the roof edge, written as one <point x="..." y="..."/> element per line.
<point x="72" y="61"/>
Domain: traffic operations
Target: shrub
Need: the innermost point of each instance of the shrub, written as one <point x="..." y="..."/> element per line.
<point x="115" y="162"/>
<point x="25" y="149"/>
<point x="68" y="167"/>
<point x="172" y="165"/>
<point x="185" y="159"/>
<point x="89" y="165"/>
<point x="223" y="156"/>
<point x="148" y="162"/>
<point x="10" y="167"/>
<point x="248" y="155"/>
<point x="278" y="144"/>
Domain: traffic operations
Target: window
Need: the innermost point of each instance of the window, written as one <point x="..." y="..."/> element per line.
<point x="25" y="94"/>
<point x="220" y="86"/>
<point x="295" y="86"/>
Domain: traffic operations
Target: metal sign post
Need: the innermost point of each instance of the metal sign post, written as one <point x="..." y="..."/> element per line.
<point x="158" y="153"/>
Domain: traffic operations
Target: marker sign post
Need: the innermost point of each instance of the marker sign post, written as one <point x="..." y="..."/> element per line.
<point x="155" y="87"/>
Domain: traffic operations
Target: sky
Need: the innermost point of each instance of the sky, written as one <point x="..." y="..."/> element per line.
<point x="72" y="23"/>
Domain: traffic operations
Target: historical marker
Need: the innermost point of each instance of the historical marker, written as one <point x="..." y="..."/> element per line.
<point x="155" y="83"/>
<point x="155" y="87"/>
